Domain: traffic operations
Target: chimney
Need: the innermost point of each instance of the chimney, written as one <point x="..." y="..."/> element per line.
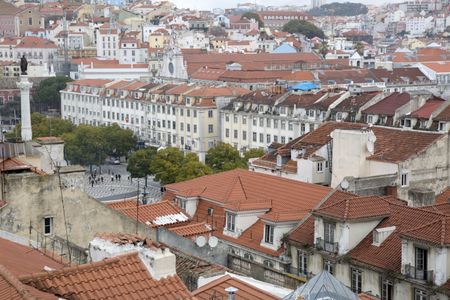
<point x="231" y="291"/>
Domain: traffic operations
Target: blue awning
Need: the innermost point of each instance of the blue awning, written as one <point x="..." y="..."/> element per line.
<point x="304" y="86"/>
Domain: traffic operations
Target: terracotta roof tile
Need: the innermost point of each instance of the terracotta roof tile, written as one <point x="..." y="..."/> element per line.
<point x="436" y="232"/>
<point x="245" y="291"/>
<point x="119" y="205"/>
<point x="389" y="105"/>
<point x="193" y="229"/>
<point x="444" y="197"/>
<point x="357" y="208"/>
<point x="163" y="213"/>
<point x="21" y="260"/>
<point x="444" y="115"/>
<point x="35" y="42"/>
<point x="121" y="277"/>
<point x="12" y="289"/>
<point x="353" y="103"/>
<point x="428" y="108"/>
<point x="439" y="67"/>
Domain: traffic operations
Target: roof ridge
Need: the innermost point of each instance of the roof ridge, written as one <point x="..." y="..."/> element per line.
<point x="347" y="205"/>
<point x="78" y="268"/>
<point x="443" y="231"/>
<point x="15" y="283"/>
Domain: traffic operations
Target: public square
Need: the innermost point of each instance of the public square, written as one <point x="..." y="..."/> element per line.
<point x="113" y="188"/>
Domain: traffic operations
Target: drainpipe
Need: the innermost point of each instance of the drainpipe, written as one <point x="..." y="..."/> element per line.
<point x="231" y="291"/>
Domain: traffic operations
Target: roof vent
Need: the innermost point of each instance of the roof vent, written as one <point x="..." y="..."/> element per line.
<point x="231" y="291"/>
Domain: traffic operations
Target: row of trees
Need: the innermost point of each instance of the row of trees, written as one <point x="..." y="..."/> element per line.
<point x="84" y="144"/>
<point x="172" y="165"/>
<point x="340" y="9"/>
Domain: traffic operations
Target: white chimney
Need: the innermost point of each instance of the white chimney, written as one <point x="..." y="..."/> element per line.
<point x="231" y="291"/>
<point x="160" y="261"/>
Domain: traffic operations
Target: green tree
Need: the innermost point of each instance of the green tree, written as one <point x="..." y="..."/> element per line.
<point x="359" y="48"/>
<point x="47" y="94"/>
<point x="140" y="161"/>
<point x="323" y="49"/>
<point x="192" y="169"/>
<point x="224" y="157"/>
<point x="304" y="27"/>
<point x="166" y="165"/>
<point x="252" y="15"/>
<point x="171" y="165"/>
<point x="42" y="125"/>
<point x="118" y="141"/>
<point x="340" y="9"/>
<point x="85" y="145"/>
<point x="253" y="153"/>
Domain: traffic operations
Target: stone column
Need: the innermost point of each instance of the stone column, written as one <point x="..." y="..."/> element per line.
<point x="24" y="85"/>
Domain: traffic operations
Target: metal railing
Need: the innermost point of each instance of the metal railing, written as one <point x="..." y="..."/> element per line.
<point x="58" y="248"/>
<point x="321" y="244"/>
<point x="415" y="273"/>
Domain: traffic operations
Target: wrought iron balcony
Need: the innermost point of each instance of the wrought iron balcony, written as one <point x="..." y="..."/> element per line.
<point x="415" y="273"/>
<point x="321" y="244"/>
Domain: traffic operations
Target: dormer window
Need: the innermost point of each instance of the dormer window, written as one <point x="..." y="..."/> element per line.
<point x="381" y="234"/>
<point x="268" y="233"/>
<point x="231" y="221"/>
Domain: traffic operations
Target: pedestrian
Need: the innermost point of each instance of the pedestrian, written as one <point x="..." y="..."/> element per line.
<point x="120" y="177"/>
<point x="112" y="178"/>
<point x="92" y="183"/>
<point x="89" y="179"/>
<point x="101" y="178"/>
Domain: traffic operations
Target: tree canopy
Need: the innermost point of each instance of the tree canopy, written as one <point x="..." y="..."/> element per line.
<point x="42" y="125"/>
<point x="47" y="94"/>
<point x="252" y="15"/>
<point x="224" y="157"/>
<point x="252" y="153"/>
<point x="139" y="162"/>
<point x="85" y="145"/>
<point x="340" y="9"/>
<point x="119" y="141"/>
<point x="304" y="27"/>
<point x="172" y="165"/>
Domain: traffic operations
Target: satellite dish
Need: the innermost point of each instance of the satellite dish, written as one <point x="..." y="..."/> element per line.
<point x="200" y="241"/>
<point x="213" y="241"/>
<point x="345" y="184"/>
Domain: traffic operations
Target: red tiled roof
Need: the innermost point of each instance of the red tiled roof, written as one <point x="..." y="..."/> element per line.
<point x="90" y="82"/>
<point x="35" y="42"/>
<point x="436" y="232"/>
<point x="22" y="260"/>
<point x="444" y="115"/>
<point x="389" y="105"/>
<point x="121" y="277"/>
<point x="118" y="205"/>
<point x="216" y="288"/>
<point x="355" y="102"/>
<point x="192" y="229"/>
<point x="357" y="208"/>
<point x="12" y="289"/>
<point x="156" y="214"/>
<point x="444" y="197"/>
<point x="439" y="67"/>
<point x="428" y="108"/>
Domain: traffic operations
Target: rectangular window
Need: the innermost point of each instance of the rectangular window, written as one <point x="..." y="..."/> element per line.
<point x="290" y="126"/>
<point x="227" y="118"/>
<point x="195" y="128"/>
<point x="320" y="167"/>
<point x="254" y="121"/>
<point x="235" y="134"/>
<point x="283" y="140"/>
<point x="268" y="139"/>
<point x="244" y="120"/>
<point x="235" y="119"/>
<point x="404" y="179"/>
<point x="387" y="290"/>
<point x="244" y="135"/>
<point x="302" y="263"/>
<point x="261" y="122"/>
<point x="254" y="136"/>
<point x="227" y="132"/>
<point x="356" y="286"/>
<point x="275" y="124"/>
<point x="210" y="128"/>
<point x="48" y="225"/>
<point x="420" y="295"/>
<point x="268" y="234"/>
<point x="268" y="122"/>
<point x="261" y="138"/>
<point x="231" y="218"/>
<point x="328" y="266"/>
<point x="210" y="113"/>
<point x="329" y="229"/>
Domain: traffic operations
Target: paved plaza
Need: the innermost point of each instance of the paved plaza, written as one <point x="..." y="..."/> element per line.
<point x="111" y="188"/>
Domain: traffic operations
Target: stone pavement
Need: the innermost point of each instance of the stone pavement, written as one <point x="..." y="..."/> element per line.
<point x="120" y="189"/>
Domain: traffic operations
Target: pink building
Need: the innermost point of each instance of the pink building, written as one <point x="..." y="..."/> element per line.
<point x="9" y="23"/>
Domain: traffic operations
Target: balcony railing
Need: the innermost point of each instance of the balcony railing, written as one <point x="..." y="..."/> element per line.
<point x="415" y="273"/>
<point x="297" y="272"/>
<point x="321" y="244"/>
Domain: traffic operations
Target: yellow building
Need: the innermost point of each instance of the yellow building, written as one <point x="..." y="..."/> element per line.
<point x="159" y="38"/>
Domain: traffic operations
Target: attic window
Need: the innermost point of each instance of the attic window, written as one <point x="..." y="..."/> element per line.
<point x="210" y="211"/>
<point x="381" y="234"/>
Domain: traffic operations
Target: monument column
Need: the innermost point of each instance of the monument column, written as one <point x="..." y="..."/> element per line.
<point x="25" y="85"/>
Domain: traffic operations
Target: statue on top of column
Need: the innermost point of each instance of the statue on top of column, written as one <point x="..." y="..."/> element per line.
<point x="23" y="65"/>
